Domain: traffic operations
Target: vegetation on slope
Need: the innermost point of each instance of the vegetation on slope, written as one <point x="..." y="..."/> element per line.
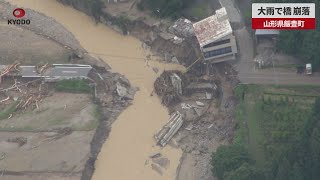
<point x="165" y="8"/>
<point x="6" y="112"/>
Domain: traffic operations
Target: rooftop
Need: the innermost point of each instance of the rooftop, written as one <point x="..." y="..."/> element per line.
<point x="267" y="32"/>
<point x="213" y="28"/>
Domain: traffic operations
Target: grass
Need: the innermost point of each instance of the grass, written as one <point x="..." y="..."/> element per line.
<point x="73" y="86"/>
<point x="6" y="113"/>
<point x="255" y="132"/>
<point x="268" y="117"/>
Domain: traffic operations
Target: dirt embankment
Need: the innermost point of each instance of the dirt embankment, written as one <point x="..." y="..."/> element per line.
<point x="111" y="104"/>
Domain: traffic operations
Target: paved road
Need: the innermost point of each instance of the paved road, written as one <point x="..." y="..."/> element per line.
<point x="247" y="72"/>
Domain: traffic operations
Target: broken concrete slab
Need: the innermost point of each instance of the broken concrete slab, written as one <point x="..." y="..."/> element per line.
<point x="166" y="36"/>
<point x="124" y="92"/>
<point x="198" y="111"/>
<point x="156" y="70"/>
<point x="177" y="40"/>
<point x="208" y="96"/>
<point x="175" y="60"/>
<point x="121" y="91"/>
<point x="157" y="168"/>
<point x="185" y="106"/>
<point x="199" y="103"/>
<point x="162" y="162"/>
<point x="176" y="82"/>
<point x="155" y="155"/>
<point x="189" y="127"/>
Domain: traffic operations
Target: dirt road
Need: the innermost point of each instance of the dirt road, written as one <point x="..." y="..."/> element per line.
<point x="125" y="154"/>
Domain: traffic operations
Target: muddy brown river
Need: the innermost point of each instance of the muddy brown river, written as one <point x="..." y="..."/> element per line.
<point x="125" y="154"/>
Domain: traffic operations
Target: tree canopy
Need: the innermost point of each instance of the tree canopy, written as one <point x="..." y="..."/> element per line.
<point x="300" y="161"/>
<point x="166" y="8"/>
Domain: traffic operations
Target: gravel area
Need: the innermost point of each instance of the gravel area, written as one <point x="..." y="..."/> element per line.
<point x="43" y="25"/>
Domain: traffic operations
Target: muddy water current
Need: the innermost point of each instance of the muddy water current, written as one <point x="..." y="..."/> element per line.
<point x="125" y="154"/>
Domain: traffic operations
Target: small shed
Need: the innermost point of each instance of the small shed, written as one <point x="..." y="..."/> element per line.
<point x="270" y="34"/>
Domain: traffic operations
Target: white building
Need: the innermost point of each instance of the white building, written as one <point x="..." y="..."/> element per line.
<point x="215" y="37"/>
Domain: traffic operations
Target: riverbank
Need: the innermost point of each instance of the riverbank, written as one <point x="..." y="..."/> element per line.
<point x="137" y="123"/>
<point x="72" y="155"/>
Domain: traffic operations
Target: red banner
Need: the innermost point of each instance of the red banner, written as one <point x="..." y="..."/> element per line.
<point x="283" y="23"/>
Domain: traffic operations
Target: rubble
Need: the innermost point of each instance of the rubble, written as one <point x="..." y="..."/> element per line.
<point x="266" y="58"/>
<point x="199" y="103"/>
<point x="125" y="92"/>
<point x="185" y="106"/>
<point x="176" y="82"/>
<point x="169" y="93"/>
<point x="162" y="162"/>
<point x="174" y="60"/>
<point x="177" y="40"/>
<point x="9" y="69"/>
<point x="157" y="168"/>
<point x="198" y="111"/>
<point x="189" y="127"/>
<point x="182" y="28"/>
<point x="156" y="155"/>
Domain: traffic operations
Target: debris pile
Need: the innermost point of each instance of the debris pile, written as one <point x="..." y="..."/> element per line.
<point x="266" y="58"/>
<point x="182" y="28"/>
<point x="5" y="70"/>
<point x="111" y="89"/>
<point x="203" y="90"/>
<point x="42" y="68"/>
<point x="170" y="129"/>
<point x="23" y="94"/>
<point x="169" y="87"/>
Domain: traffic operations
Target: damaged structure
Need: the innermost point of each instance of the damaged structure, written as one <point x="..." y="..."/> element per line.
<point x="170" y="129"/>
<point x="48" y="72"/>
<point x="215" y="37"/>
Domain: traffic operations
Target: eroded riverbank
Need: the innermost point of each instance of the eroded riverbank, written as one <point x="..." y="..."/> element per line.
<point x="125" y="153"/>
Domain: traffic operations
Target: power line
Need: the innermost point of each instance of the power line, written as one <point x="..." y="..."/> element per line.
<point x="118" y="56"/>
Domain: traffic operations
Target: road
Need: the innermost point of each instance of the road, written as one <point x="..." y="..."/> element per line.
<point x="247" y="73"/>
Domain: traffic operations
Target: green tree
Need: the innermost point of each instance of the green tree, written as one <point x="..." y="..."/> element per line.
<point x="166" y="8"/>
<point x="229" y="158"/>
<point x="296" y="172"/>
<point x="283" y="170"/>
<point x="244" y="172"/>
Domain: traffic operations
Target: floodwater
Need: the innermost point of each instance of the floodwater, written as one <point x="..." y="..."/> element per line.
<point x="124" y="156"/>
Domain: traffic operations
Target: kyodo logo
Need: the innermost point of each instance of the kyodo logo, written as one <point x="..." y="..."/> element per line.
<point x="19" y="13"/>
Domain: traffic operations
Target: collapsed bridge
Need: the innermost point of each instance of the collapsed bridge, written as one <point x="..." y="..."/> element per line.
<point x="47" y="71"/>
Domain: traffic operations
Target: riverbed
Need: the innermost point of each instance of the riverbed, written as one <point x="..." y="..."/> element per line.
<point x="125" y="154"/>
